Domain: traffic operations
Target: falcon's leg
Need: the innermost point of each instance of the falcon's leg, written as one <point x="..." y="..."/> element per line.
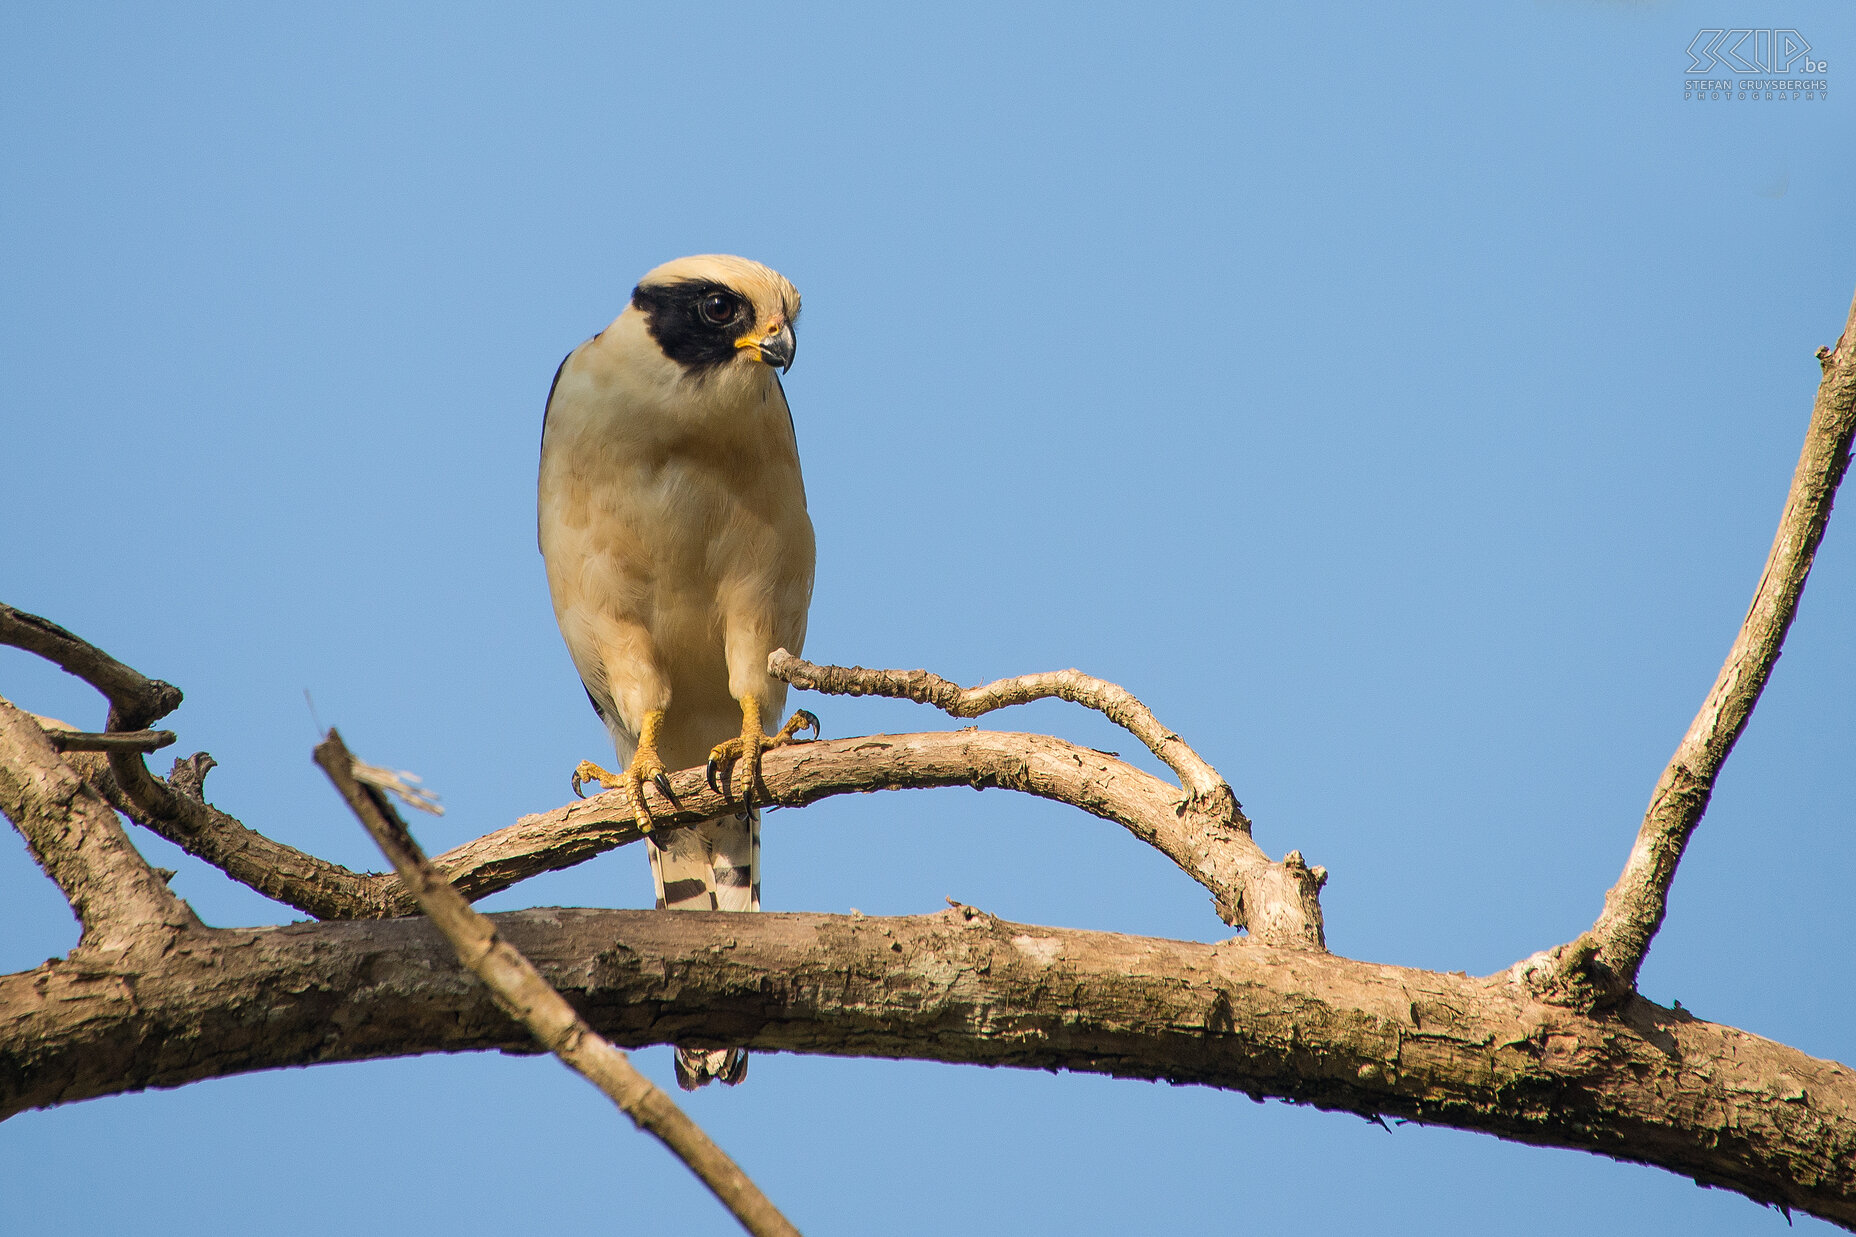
<point x="645" y="767"/>
<point x="753" y="741"/>
<point x="714" y="865"/>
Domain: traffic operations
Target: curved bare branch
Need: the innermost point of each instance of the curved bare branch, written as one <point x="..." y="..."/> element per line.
<point x="1207" y="835"/>
<point x="1635" y="905"/>
<point x="276" y="870"/>
<point x="1202" y="783"/>
<point x="1277" y="902"/>
<point x="1273" y="901"/>
<point x="135" y="700"/>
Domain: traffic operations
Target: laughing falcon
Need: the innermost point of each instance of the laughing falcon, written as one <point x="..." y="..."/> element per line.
<point x="679" y="555"/>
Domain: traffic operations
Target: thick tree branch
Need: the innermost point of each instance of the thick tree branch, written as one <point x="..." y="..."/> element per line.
<point x="1638" y="1082"/>
<point x="77" y="840"/>
<point x="523" y="994"/>
<point x="1635" y="906"/>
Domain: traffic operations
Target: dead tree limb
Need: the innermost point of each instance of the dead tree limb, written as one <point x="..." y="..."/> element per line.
<point x="1201" y="782"/>
<point x="1274" y="901"/>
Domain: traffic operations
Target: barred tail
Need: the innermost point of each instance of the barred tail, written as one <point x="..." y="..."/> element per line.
<point x="695" y="1067"/>
<point x="714" y="865"/>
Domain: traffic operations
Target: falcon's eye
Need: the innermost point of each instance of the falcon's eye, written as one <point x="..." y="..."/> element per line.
<point x="718" y="310"/>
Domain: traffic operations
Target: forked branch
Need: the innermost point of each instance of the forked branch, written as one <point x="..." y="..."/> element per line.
<point x="522" y="993"/>
<point x="1635" y="906"/>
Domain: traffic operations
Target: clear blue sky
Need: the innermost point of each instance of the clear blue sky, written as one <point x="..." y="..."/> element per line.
<point x="1400" y="403"/>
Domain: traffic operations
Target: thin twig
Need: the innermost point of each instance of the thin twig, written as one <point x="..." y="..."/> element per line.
<point x="78" y="841"/>
<point x="522" y="992"/>
<point x="110" y="740"/>
<point x="1278" y="902"/>
<point x="1200" y="781"/>
<point x="1635" y="906"/>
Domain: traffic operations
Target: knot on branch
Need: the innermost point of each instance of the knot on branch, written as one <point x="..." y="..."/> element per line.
<point x="1572" y="976"/>
<point x="1214" y="807"/>
<point x="1280" y="904"/>
<point x="188" y="776"/>
<point x="1310" y="878"/>
<point x="968" y="914"/>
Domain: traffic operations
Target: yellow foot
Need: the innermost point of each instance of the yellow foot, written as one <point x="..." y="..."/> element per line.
<point x="587" y="771"/>
<point x="752" y="742"/>
<point x="645" y="767"/>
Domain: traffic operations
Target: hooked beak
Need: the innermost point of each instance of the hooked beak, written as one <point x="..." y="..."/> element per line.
<point x="775" y="349"/>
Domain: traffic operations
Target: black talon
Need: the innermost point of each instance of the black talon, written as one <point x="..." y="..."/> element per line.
<point x="708" y="775"/>
<point x="578" y="793"/>
<point x="662" y="782"/>
<point x="811" y="720"/>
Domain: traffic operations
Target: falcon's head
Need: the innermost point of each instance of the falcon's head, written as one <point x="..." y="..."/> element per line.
<point x="716" y="310"/>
